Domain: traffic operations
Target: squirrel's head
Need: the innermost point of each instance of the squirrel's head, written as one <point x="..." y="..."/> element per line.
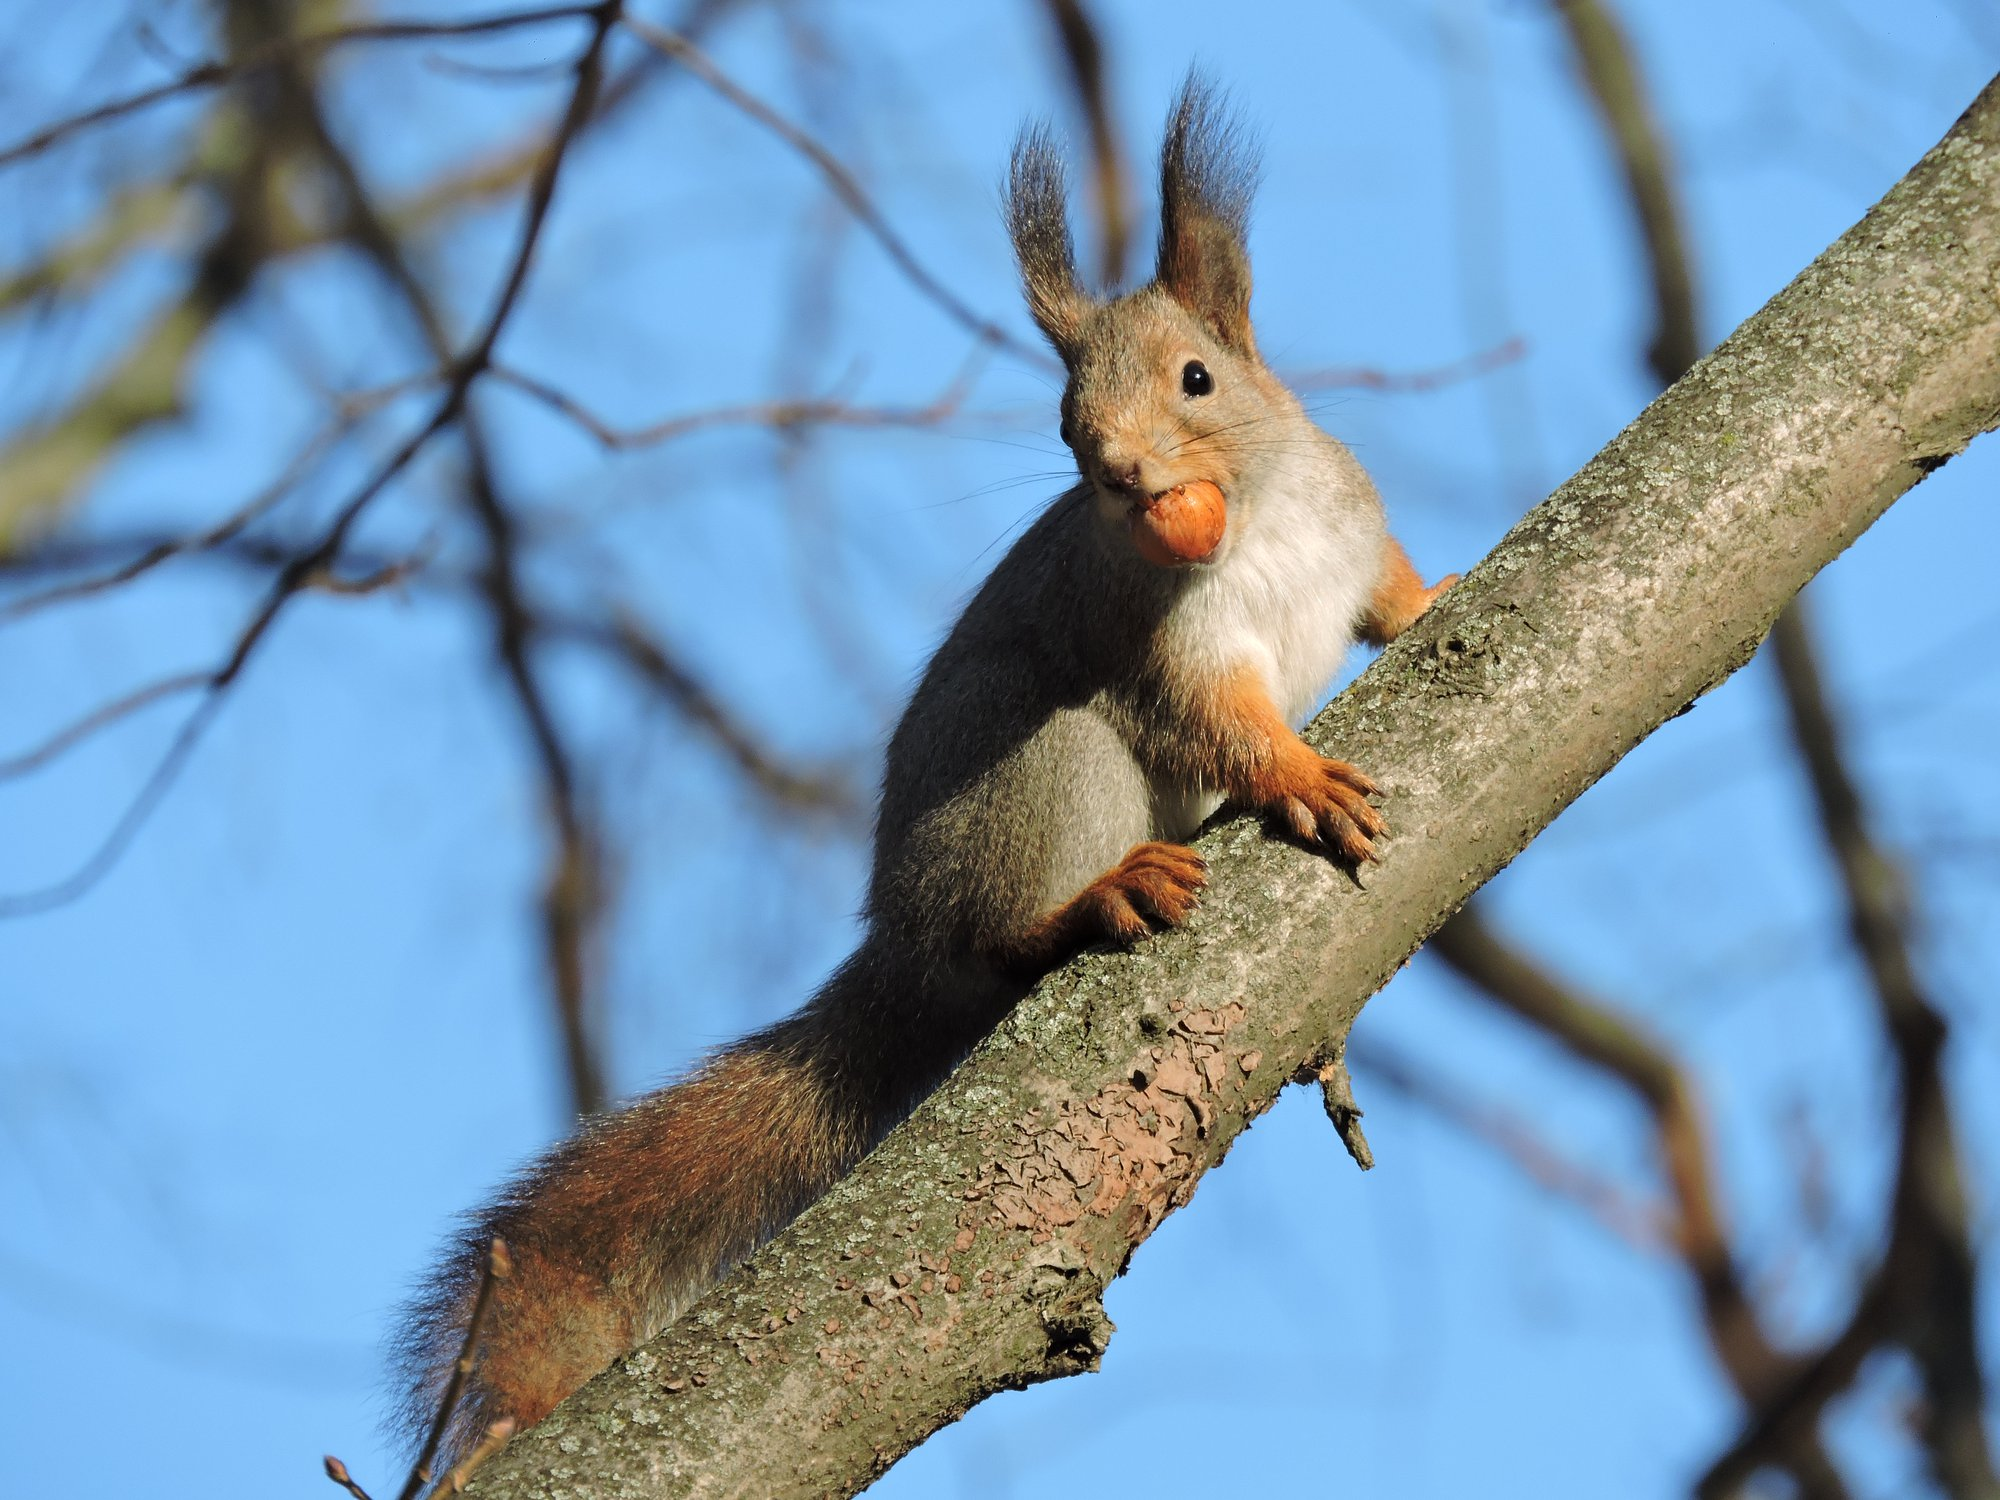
<point x="1166" y="388"/>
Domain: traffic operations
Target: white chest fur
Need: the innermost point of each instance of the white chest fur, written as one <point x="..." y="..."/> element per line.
<point x="1285" y="597"/>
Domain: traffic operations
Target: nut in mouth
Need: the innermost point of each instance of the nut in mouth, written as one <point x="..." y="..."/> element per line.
<point x="1179" y="526"/>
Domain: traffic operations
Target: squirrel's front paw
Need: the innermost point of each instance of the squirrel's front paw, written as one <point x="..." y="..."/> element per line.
<point x="1328" y="807"/>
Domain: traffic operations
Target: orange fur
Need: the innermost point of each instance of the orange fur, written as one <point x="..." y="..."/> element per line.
<point x="1400" y="596"/>
<point x="1239" y="743"/>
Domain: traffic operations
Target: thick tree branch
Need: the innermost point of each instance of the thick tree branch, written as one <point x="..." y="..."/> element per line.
<point x="969" y="1254"/>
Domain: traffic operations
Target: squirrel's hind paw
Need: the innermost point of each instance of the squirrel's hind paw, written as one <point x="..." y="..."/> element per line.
<point x="1155" y="885"/>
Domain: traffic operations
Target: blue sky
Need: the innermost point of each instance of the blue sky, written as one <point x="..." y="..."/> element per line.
<point x="247" y="1080"/>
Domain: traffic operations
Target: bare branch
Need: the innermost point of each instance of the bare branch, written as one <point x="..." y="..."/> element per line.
<point x="1597" y="1034"/>
<point x="220" y="534"/>
<point x="1365" y="378"/>
<point x="782" y="415"/>
<point x="102" y="717"/>
<point x="627" y="642"/>
<point x="315" y="561"/>
<point x="1590" y="1030"/>
<point x="842" y="182"/>
<point x="130" y="217"/>
<point x="1336" y="1091"/>
<point x="494" y="1439"/>
<point x="292" y="578"/>
<point x="1923" y="1293"/>
<point x="573" y="895"/>
<point x="223" y="71"/>
<point x="1110" y="177"/>
<point x="337" y="1472"/>
<point x="1604" y="60"/>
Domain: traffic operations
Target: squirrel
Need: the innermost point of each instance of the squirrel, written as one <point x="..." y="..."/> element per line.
<point x="1138" y="657"/>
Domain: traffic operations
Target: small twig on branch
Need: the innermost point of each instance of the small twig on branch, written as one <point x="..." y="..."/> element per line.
<point x="1336" y="1094"/>
<point x="843" y="183"/>
<point x="496" y="1268"/>
<point x="495" y="1438"/>
<point x="337" y="1472"/>
<point x="387" y="576"/>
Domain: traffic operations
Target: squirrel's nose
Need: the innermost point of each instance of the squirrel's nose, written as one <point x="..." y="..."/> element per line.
<point x="1124" y="474"/>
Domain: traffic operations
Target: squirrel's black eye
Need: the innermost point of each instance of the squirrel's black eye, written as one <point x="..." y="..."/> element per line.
<point x="1195" y="379"/>
<point x="1066" y="434"/>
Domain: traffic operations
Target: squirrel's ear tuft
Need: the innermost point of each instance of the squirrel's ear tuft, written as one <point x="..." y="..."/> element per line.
<point x="1038" y="222"/>
<point x="1208" y="173"/>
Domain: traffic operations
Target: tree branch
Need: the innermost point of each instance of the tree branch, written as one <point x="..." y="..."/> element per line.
<point x="1605" y="63"/>
<point x="970" y="1252"/>
<point x="277" y="51"/>
<point x="1110" y="178"/>
<point x="1597" y="1034"/>
<point x="313" y="562"/>
<point x="573" y="894"/>
<point x="841" y="182"/>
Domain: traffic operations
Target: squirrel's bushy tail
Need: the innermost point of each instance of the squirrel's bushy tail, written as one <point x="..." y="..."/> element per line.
<point x="619" y="1228"/>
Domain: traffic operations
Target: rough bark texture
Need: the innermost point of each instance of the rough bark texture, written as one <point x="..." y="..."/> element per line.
<point x="969" y="1254"/>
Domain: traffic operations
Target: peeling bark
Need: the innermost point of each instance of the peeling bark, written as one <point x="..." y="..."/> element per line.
<point x="969" y="1254"/>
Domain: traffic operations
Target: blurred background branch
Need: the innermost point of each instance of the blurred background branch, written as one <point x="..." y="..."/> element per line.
<point x="1784" y="1394"/>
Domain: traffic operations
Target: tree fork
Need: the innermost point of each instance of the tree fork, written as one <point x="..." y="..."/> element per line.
<point x="970" y="1252"/>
